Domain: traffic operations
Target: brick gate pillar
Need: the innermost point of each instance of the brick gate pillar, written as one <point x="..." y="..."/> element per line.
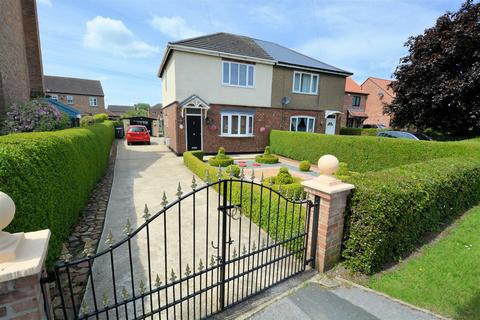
<point x="22" y="256"/>
<point x="326" y="227"/>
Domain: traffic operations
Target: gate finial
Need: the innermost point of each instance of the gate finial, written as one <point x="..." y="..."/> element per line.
<point x="200" y="265"/>
<point x="84" y="308"/>
<point x="194" y="183"/>
<point x="146" y="213"/>
<point x="66" y="256"/>
<point x="207" y="176"/>
<point x="253" y="175"/>
<point x="104" y="300"/>
<point x="142" y="287"/>
<point x="270" y="182"/>
<point x="128" y="228"/>
<point x="158" y="282"/>
<point x="187" y="270"/>
<point x="242" y="174"/>
<point x="179" y="190"/>
<point x="88" y="248"/>
<point x="261" y="178"/>
<point x="124" y="293"/>
<point x="109" y="241"/>
<point x="164" y="200"/>
<point x="172" y="276"/>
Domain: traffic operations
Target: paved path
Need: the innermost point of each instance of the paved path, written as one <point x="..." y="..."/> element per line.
<point x="314" y="301"/>
<point x="142" y="174"/>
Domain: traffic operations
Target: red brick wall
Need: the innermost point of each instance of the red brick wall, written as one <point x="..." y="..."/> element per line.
<point x="375" y="104"/>
<point x="267" y="118"/>
<point x="347" y="104"/>
<point x="82" y="102"/>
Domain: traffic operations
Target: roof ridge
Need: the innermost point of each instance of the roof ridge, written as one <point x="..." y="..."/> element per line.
<point x="72" y="78"/>
<point x="195" y="38"/>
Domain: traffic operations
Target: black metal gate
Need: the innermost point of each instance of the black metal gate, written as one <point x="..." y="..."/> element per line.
<point x="208" y="250"/>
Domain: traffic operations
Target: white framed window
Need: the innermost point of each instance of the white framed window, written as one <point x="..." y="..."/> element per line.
<point x="93" y="101"/>
<point x="238" y="74"/>
<point x="54" y="97"/>
<point x="304" y="82"/>
<point x="70" y="99"/>
<point x="236" y="124"/>
<point x="302" y="123"/>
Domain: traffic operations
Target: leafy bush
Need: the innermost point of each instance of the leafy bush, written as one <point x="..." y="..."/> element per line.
<point x="360" y="131"/>
<point x="50" y="175"/>
<point x="220" y="160"/>
<point x="235" y="168"/>
<point x="87" y="121"/>
<point x="390" y="210"/>
<point x="34" y="115"/>
<point x="99" y="118"/>
<point x="283" y="176"/>
<point x="266" y="157"/>
<point x="366" y="153"/>
<point x="304" y="165"/>
<point x="198" y="153"/>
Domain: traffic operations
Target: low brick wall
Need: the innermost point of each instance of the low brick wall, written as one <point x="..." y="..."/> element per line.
<point x="21" y="299"/>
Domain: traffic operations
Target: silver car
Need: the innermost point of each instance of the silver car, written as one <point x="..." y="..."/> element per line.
<point x="404" y="135"/>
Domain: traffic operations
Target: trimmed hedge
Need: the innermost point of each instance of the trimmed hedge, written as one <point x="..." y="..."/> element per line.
<point x="366" y="153"/>
<point x="50" y="175"/>
<point x="360" y="131"/>
<point x="304" y="165"/>
<point x="267" y="157"/>
<point x="391" y="210"/>
<point x="220" y="160"/>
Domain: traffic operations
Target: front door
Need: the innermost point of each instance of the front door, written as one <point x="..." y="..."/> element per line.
<point x="330" y="123"/>
<point x="194" y="132"/>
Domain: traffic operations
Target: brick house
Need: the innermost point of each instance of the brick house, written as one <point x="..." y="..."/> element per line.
<point x="156" y="111"/>
<point x="354" y="103"/>
<point x="380" y="94"/>
<point x="115" y="111"/>
<point x="21" y="73"/>
<point x="82" y="94"/>
<point x="229" y="90"/>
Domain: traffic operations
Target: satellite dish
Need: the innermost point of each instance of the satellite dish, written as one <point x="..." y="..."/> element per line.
<point x="286" y="100"/>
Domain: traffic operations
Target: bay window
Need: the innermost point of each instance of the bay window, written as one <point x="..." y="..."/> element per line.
<point x="304" y="82"/>
<point x="302" y="123"/>
<point x="236" y="124"/>
<point x="238" y="74"/>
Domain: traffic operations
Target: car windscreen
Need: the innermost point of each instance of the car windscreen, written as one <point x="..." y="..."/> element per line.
<point x="421" y="136"/>
<point x="136" y="129"/>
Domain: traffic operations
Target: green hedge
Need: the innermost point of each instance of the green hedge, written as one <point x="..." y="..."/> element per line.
<point x="50" y="176"/>
<point x="391" y="210"/>
<point x="253" y="204"/>
<point x="364" y="154"/>
<point x="360" y="131"/>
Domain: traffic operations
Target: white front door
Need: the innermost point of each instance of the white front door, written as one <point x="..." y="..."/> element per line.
<point x="330" y="123"/>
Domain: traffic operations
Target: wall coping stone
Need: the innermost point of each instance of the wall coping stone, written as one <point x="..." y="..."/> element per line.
<point x="30" y="256"/>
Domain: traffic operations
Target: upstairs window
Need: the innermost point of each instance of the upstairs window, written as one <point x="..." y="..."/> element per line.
<point x="238" y="74"/>
<point x="356" y="101"/>
<point x="306" y="83"/>
<point x="236" y="124"/>
<point x="70" y="99"/>
<point x="93" y="102"/>
<point x="302" y="123"/>
<point x="54" y="97"/>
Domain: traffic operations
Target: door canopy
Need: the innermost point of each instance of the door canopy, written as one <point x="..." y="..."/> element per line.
<point x="194" y="102"/>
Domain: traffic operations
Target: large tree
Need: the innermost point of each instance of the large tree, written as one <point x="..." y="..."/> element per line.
<point x="438" y="83"/>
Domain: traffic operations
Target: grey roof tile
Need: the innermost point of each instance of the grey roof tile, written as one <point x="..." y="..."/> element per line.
<point x="73" y="85"/>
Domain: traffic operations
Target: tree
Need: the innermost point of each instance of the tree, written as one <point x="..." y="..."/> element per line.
<point x="438" y="83"/>
<point x="140" y="110"/>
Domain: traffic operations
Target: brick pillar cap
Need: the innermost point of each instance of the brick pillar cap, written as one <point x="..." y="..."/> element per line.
<point x="30" y="256"/>
<point x="326" y="185"/>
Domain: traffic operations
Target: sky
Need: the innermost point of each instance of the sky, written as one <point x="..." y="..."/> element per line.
<point x="121" y="42"/>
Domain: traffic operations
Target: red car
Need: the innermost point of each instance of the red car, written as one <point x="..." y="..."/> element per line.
<point x="137" y="134"/>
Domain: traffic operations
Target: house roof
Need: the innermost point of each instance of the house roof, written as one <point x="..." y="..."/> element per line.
<point x="73" y="85"/>
<point x="246" y="47"/>
<point x="118" y="108"/>
<point x="353" y="87"/>
<point x="383" y="84"/>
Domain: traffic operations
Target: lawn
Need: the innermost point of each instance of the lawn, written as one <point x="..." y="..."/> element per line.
<point x="445" y="277"/>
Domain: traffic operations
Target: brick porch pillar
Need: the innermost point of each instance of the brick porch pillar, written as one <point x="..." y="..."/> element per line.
<point x="22" y="256"/>
<point x="327" y="226"/>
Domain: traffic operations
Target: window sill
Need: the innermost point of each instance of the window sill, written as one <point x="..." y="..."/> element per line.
<point x="237" y="86"/>
<point x="305" y="93"/>
<point x="236" y="136"/>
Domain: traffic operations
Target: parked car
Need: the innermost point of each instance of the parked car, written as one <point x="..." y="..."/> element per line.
<point x="404" y="135"/>
<point x="373" y="126"/>
<point x="138" y="134"/>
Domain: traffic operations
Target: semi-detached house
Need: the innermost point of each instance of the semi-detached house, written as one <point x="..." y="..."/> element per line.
<point x="229" y="90"/>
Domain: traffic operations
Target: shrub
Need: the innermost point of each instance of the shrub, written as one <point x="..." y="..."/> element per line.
<point x="34" y="115"/>
<point x="366" y="153"/>
<point x="87" y="121"/>
<point x="304" y="165"/>
<point x="198" y="153"/>
<point x="283" y="177"/>
<point x="390" y="210"/>
<point x="220" y="160"/>
<point x="99" y="118"/>
<point x="266" y="157"/>
<point x="50" y="175"/>
<point x="235" y="168"/>
<point x="360" y="131"/>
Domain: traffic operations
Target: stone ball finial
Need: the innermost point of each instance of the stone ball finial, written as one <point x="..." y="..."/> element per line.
<point x="7" y="210"/>
<point x="328" y="164"/>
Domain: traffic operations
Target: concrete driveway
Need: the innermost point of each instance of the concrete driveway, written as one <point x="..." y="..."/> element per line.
<point x="142" y="174"/>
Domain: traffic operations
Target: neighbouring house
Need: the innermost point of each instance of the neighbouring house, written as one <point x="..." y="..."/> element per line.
<point x="228" y="90"/>
<point x="82" y="94"/>
<point x="21" y="72"/>
<point x="156" y="111"/>
<point x="72" y="113"/>
<point x="380" y="94"/>
<point x="354" y="105"/>
<point x="115" y="111"/>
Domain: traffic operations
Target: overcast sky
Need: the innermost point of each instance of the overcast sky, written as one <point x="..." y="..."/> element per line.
<point x="121" y="42"/>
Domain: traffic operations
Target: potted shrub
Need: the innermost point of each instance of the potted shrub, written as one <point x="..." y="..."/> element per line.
<point x="267" y="157"/>
<point x="221" y="159"/>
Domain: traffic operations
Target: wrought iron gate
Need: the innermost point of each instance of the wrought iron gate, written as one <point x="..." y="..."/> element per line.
<point x="206" y="251"/>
